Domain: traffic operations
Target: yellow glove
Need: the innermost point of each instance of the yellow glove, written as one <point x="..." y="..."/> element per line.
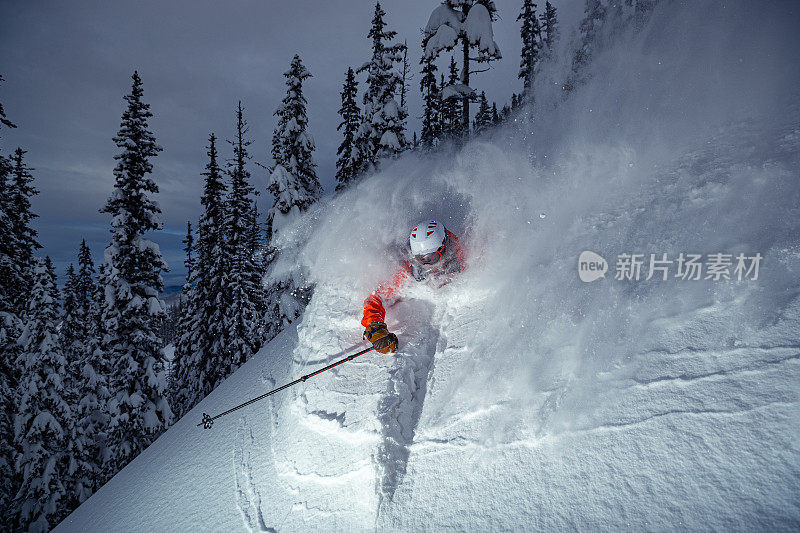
<point x="382" y="341"/>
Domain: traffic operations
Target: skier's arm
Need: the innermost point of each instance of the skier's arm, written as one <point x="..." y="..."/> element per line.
<point x="373" y="305"/>
<point x="373" y="310"/>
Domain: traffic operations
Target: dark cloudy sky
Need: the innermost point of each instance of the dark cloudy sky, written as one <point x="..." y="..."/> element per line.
<point x="68" y="64"/>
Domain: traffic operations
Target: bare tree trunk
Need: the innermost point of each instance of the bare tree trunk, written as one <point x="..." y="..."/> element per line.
<point x="403" y="87"/>
<point x="465" y="99"/>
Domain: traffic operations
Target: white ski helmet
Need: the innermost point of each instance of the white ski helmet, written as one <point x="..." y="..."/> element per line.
<point x="427" y="237"/>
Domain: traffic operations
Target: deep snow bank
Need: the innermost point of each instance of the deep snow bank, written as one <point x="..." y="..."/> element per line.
<point x="524" y="398"/>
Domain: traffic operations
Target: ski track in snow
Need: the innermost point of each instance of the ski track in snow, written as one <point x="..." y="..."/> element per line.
<point x="248" y="497"/>
<point x="401" y="405"/>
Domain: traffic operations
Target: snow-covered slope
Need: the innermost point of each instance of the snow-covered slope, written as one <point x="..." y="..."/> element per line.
<point x="523" y="398"/>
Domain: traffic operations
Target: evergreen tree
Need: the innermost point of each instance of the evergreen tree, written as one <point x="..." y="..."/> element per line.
<point x="530" y="32"/>
<point x="90" y="294"/>
<point x="10" y="327"/>
<point x="74" y="343"/>
<point x="382" y="131"/>
<point x="549" y="29"/>
<point x="43" y="422"/>
<point x="292" y="193"/>
<point x="405" y="76"/>
<point x="185" y="313"/>
<point x="505" y="113"/>
<point x="88" y="372"/>
<point x="183" y="364"/>
<point x="70" y="333"/>
<point x="132" y="310"/>
<point x="201" y="353"/>
<point x="17" y="246"/>
<point x="212" y="279"/>
<point x="71" y="340"/>
<point x="431" y="127"/>
<point x="444" y="126"/>
<point x="293" y="181"/>
<point x="495" y="116"/>
<point x="241" y="308"/>
<point x="10" y="281"/>
<point x="188" y="247"/>
<point x="483" y="118"/>
<point x="350" y="160"/>
<point x="24" y="235"/>
<point x="464" y="24"/>
<point x="452" y="113"/>
<point x="594" y="18"/>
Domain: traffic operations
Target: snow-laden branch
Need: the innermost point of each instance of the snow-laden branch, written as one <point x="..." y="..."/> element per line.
<point x="457" y="90"/>
<point x="446" y="26"/>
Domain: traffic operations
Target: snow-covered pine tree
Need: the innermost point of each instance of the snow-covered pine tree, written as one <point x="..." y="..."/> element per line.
<point x="17" y="247"/>
<point x="183" y="363"/>
<point x="240" y="318"/>
<point x="505" y="112"/>
<point x="382" y="131"/>
<point x="530" y="32"/>
<point x="595" y="15"/>
<point x="91" y="294"/>
<point x="25" y="236"/>
<point x="189" y="262"/>
<point x="88" y="375"/>
<point x="451" y="106"/>
<point x="211" y="286"/>
<point x="549" y="29"/>
<point x="42" y="427"/>
<point x="10" y="326"/>
<point x="350" y="160"/>
<point x="431" y="127"/>
<point x="483" y="118"/>
<point x="293" y="181"/>
<point x="70" y="334"/>
<point x="9" y="277"/>
<point x="200" y="350"/>
<point x="71" y="338"/>
<point x="132" y="279"/>
<point x="294" y="188"/>
<point x="466" y="24"/>
<point x="495" y="115"/>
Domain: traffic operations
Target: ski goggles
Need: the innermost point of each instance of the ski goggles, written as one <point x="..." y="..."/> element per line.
<point x="431" y="258"/>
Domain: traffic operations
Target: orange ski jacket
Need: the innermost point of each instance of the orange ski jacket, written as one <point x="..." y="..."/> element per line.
<point x="453" y="261"/>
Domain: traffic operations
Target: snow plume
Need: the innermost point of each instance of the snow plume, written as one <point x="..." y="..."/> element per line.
<point x="523" y="398"/>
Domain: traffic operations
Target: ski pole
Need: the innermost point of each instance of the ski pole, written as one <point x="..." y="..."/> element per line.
<point x="208" y="420"/>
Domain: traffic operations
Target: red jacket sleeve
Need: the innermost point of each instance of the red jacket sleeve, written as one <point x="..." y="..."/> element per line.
<point x="373" y="305"/>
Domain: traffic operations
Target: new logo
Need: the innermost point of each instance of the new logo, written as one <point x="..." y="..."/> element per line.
<point x="591" y="266"/>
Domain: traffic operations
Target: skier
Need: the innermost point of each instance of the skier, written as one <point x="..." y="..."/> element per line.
<point x="435" y="255"/>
